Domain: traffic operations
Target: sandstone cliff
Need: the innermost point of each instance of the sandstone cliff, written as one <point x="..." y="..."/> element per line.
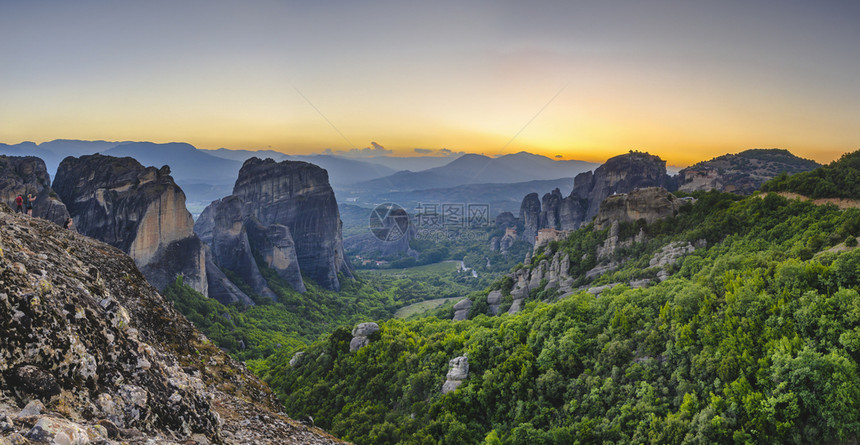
<point x="743" y="172"/>
<point x="98" y="356"/>
<point x="20" y="175"/>
<point x="297" y="195"/>
<point x="139" y="210"/>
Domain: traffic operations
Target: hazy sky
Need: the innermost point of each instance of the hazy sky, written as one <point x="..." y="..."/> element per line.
<point x="687" y="80"/>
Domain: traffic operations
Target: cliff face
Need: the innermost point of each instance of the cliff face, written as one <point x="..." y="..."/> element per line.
<point x="297" y="195"/>
<point x="741" y="173"/>
<point x="139" y="210"/>
<point x="621" y="174"/>
<point x="233" y="238"/>
<point x="530" y="215"/>
<point x="649" y="204"/>
<point x="20" y="175"/>
<point x="98" y="356"/>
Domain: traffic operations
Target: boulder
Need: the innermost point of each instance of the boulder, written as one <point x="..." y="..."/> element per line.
<point x="58" y="431"/>
<point x="461" y="309"/>
<point x="297" y="359"/>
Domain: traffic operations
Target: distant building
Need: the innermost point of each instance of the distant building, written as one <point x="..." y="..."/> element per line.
<point x="545" y="236"/>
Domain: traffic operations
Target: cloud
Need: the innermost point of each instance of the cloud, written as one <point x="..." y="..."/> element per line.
<point x="449" y="152"/>
<point x="558" y="156"/>
<point x="440" y="152"/>
<point x="366" y="152"/>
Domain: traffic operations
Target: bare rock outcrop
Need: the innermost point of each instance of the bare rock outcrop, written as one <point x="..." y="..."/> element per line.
<point x="23" y="175"/>
<point x="139" y="210"/>
<point x="360" y="335"/>
<point x="461" y="309"/>
<point x="458" y="371"/>
<point x="94" y="354"/>
<point x="494" y="300"/>
<point x="555" y="270"/>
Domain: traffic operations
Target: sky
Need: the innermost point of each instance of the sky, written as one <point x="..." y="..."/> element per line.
<point x="687" y="80"/>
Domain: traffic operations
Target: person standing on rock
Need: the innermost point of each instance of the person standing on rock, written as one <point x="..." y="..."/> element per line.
<point x="30" y="199"/>
<point x="19" y="202"/>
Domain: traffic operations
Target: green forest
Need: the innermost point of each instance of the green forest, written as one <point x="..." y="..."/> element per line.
<point x="753" y="338"/>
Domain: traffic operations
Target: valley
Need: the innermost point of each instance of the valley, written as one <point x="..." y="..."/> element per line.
<point x="558" y="323"/>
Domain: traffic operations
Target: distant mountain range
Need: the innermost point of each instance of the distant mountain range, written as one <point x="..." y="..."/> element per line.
<point x="479" y="169"/>
<point x="207" y="175"/>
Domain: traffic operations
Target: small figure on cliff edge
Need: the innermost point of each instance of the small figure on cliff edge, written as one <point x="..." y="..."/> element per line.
<point x="30" y="199"/>
<point x="69" y="224"/>
<point x="19" y="202"/>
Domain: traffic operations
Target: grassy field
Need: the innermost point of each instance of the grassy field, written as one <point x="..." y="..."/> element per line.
<point x="435" y="268"/>
<point x="424" y="306"/>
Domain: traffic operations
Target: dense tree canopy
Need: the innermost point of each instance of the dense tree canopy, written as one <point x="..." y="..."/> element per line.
<point x="753" y="339"/>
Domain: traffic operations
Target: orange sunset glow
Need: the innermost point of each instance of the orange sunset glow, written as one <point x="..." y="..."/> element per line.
<point x="687" y="81"/>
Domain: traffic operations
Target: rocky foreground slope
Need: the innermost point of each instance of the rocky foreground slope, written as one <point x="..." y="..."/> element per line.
<point x="91" y="353"/>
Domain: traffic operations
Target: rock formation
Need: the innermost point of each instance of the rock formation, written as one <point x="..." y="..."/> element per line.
<point x="95" y="355"/>
<point x="494" y="300"/>
<point x="297" y="197"/>
<point x="508" y="239"/>
<point x="22" y="175"/>
<point x="458" y="370"/>
<point x="530" y="216"/>
<point x="506" y="219"/>
<point x="649" y="204"/>
<point x="669" y="255"/>
<point x="233" y="238"/>
<point x="620" y="174"/>
<point x="461" y="309"/>
<point x="741" y="173"/>
<point x="139" y="210"/>
<point x="370" y="243"/>
<point x="360" y="335"/>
